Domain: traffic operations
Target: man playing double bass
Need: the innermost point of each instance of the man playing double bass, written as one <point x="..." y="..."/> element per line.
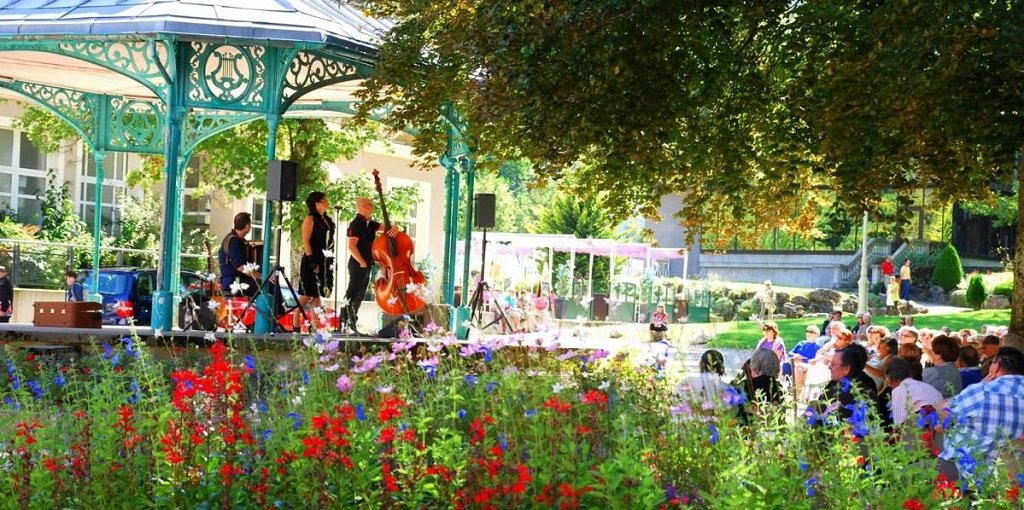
<point x="362" y="231"/>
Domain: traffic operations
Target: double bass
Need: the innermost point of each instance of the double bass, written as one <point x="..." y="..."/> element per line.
<point x="394" y="254"/>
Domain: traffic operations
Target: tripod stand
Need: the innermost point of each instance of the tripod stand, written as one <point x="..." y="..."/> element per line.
<point x="279" y="273"/>
<point x="476" y="302"/>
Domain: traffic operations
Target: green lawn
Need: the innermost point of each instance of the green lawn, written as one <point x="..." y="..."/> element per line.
<point x="744" y="335"/>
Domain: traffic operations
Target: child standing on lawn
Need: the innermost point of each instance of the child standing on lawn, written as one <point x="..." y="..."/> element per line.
<point x="892" y="296"/>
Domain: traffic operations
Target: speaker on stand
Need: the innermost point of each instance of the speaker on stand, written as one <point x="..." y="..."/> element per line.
<point x="483" y="211"/>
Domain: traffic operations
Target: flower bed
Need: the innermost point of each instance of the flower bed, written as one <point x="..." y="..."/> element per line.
<point x="428" y="425"/>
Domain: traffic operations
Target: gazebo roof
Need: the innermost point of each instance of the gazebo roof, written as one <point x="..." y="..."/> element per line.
<point x="311" y="21"/>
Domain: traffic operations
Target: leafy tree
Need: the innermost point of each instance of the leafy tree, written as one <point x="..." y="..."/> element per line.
<point x="61" y="223"/>
<point x="977" y="294"/>
<point x="741" y="107"/>
<point x="45" y="130"/>
<point x="948" y="272"/>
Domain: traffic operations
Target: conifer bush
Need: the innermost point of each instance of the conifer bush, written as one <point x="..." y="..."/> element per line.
<point x="948" y="272"/>
<point x="977" y="294"/>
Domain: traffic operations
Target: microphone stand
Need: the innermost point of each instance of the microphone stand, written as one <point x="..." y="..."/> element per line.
<point x="337" y="266"/>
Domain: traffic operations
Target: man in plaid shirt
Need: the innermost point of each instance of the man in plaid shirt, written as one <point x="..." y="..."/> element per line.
<point x="986" y="416"/>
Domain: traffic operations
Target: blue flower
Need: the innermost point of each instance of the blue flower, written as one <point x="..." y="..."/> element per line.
<point x="671" y="492"/>
<point x="809" y="484"/>
<point x="734" y="397"/>
<point x="1020" y="479"/>
<point x="261" y="406"/>
<point x="115" y="360"/>
<point x="812" y="416"/>
<point x="15" y="382"/>
<point x="530" y="413"/>
<point x="305" y="377"/>
<point x="10" y="368"/>
<point x="462" y="414"/>
<point x="59" y="380"/>
<point x="491" y="385"/>
<point x="108" y="351"/>
<point x="928" y="419"/>
<point x="133" y="398"/>
<point x="845" y="382"/>
<point x="36" y="389"/>
<point x="965" y="462"/>
<point x="129" y="348"/>
<point x="296" y="420"/>
<point x="431" y="371"/>
<point x="948" y="418"/>
<point x="13" y="403"/>
<point x="804" y="466"/>
<point x="487" y="355"/>
<point x="859" y="418"/>
<point x="265" y="435"/>
<point x="250" y="363"/>
<point x="714" y="433"/>
<point x="471" y="379"/>
<point x="359" y="412"/>
<point x="503" y="441"/>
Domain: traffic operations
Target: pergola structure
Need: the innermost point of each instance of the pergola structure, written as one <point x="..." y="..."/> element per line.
<point x="161" y="76"/>
<point x="525" y="244"/>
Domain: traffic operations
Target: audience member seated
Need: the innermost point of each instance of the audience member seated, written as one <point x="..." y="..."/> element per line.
<point x="771" y="341"/>
<point x="912" y="353"/>
<point x="875" y="367"/>
<point x="835" y="316"/>
<point x="512" y="311"/>
<point x="708" y="386"/>
<point x="944" y="375"/>
<point x="907" y="335"/>
<point x="526" y="307"/>
<point x="763" y="384"/>
<point x="970" y="373"/>
<point x="908" y="394"/>
<point x="989" y="348"/>
<point x="543" y="306"/>
<point x="815" y="371"/>
<point x="659" y="324"/>
<point x="987" y="419"/>
<point x="848" y="383"/>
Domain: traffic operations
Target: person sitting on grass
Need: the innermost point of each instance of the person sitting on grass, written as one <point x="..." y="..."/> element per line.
<point x="659" y="323"/>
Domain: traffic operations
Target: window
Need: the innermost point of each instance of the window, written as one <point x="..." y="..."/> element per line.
<point x="257" y="208"/>
<point x="196" y="209"/>
<point x="22" y="177"/>
<point x="114" y="170"/>
<point x="416" y="222"/>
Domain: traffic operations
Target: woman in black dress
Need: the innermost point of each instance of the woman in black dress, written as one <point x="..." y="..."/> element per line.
<point x="315" y="272"/>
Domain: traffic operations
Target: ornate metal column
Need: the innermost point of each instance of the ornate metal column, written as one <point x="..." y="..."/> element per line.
<point x="170" y="230"/>
<point x="467" y="285"/>
<point x="451" y="213"/>
<point x="97" y="218"/>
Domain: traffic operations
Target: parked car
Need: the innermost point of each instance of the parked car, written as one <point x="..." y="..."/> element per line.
<point x="127" y="292"/>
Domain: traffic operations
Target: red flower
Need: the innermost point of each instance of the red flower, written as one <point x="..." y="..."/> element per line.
<point x="913" y="504"/>
<point x="558" y="406"/>
<point x="596" y="397"/>
<point x="387" y="435"/>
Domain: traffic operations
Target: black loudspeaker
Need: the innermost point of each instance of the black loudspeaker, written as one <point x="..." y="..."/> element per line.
<point x="484" y="211"/>
<point x="282" y="180"/>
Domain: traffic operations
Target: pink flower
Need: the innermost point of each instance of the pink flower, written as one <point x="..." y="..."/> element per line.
<point x="344" y="384"/>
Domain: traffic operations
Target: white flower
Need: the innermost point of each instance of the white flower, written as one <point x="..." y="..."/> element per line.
<point x="467" y="324"/>
<point x="332" y="368"/>
<point x="557" y="388"/>
<point x="211" y="277"/>
<point x="604" y="386"/>
<point x="385" y="389"/>
<point x="251" y="268"/>
<point x="328" y="254"/>
<point x="210" y="337"/>
<point x="212" y="305"/>
<point x="238" y="287"/>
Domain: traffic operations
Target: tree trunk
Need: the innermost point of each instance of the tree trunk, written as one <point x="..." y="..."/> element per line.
<point x="1016" y="336"/>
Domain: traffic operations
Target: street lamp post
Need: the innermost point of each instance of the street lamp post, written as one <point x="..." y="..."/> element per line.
<point x="862" y="284"/>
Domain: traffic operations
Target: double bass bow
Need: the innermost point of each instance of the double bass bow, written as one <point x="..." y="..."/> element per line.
<point x="395" y="254"/>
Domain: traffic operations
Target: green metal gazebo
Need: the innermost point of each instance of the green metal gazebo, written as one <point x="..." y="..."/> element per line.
<point x="159" y="77"/>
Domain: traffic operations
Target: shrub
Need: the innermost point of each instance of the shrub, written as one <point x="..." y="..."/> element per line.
<point x="724" y="308"/>
<point x="748" y="309"/>
<point x="1004" y="289"/>
<point x="948" y="270"/>
<point x="977" y="294"/>
<point x="958" y="298"/>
